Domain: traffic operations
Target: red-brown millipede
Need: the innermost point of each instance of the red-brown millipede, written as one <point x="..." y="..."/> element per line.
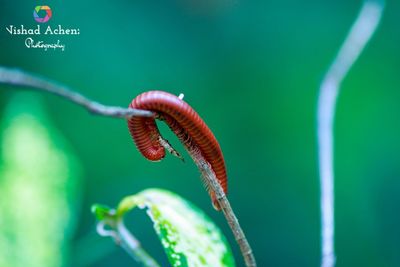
<point x="185" y="123"/>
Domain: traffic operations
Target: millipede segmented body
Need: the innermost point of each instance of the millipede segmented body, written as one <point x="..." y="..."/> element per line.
<point x="185" y="123"/>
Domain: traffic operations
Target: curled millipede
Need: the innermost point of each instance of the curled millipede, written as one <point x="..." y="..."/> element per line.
<point x="191" y="130"/>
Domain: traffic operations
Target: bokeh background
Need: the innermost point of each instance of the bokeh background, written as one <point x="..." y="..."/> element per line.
<point x="252" y="70"/>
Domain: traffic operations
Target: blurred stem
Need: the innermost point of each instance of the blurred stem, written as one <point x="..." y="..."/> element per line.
<point x="211" y="180"/>
<point x="21" y="78"/>
<point x="125" y="239"/>
<point x="359" y="35"/>
<point x="132" y="246"/>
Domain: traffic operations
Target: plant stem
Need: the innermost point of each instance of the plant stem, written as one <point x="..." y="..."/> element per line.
<point x="211" y="180"/>
<point x="133" y="247"/>
<point x="125" y="240"/>
<point x="359" y="35"/>
<point x="22" y="78"/>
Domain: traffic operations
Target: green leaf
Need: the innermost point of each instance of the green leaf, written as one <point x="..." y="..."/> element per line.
<point x="39" y="181"/>
<point x="102" y="212"/>
<point x="188" y="236"/>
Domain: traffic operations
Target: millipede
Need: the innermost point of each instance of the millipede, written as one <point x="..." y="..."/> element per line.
<point x="187" y="125"/>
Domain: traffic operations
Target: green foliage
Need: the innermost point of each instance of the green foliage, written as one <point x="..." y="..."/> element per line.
<point x="38" y="188"/>
<point x="188" y="236"/>
<point x="101" y="212"/>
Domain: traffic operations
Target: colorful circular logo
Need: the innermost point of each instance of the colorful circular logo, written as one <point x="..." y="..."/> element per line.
<point x="42" y="19"/>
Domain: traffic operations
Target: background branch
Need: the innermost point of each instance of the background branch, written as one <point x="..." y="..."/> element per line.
<point x="22" y="78"/>
<point x="359" y="35"/>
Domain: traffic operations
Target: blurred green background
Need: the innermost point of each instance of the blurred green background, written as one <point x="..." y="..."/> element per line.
<point x="252" y="70"/>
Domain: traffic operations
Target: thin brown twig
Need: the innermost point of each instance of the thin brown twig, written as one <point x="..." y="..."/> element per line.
<point x="21" y="78"/>
<point x="211" y="180"/>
